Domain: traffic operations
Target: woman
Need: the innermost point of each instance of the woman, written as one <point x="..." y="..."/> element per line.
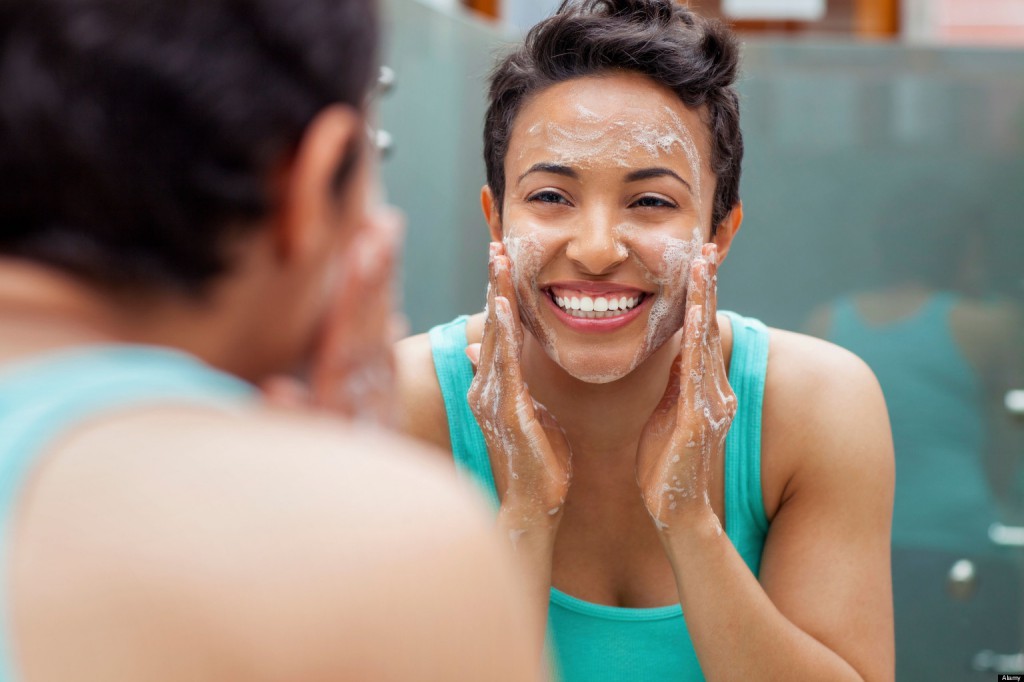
<point x="606" y="380"/>
<point x="171" y="235"/>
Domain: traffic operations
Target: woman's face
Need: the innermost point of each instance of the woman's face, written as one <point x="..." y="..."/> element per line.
<point x="608" y="198"/>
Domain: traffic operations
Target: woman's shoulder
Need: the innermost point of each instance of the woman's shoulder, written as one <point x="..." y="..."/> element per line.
<point x="338" y="500"/>
<point x="823" y="414"/>
<point x="421" y="412"/>
<point x="819" y="385"/>
<point x="800" y="365"/>
<point x="421" y="408"/>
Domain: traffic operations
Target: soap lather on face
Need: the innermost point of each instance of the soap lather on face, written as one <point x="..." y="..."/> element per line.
<point x="593" y="147"/>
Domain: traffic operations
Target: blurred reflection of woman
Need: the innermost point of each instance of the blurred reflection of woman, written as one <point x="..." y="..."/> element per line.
<point x="944" y="357"/>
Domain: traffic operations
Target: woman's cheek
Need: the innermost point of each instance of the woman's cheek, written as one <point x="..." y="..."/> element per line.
<point x="669" y="272"/>
<point x="526" y="249"/>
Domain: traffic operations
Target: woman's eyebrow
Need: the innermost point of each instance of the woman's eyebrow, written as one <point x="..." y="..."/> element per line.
<point x="656" y="172"/>
<point x="555" y="168"/>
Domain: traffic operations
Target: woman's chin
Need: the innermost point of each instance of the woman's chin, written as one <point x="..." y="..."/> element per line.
<point x="595" y="360"/>
<point x="594" y="365"/>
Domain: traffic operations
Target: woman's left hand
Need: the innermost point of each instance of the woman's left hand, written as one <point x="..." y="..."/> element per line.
<point x="352" y="371"/>
<point x="686" y="432"/>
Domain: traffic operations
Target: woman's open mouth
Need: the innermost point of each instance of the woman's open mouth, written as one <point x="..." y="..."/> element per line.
<point x="593" y="311"/>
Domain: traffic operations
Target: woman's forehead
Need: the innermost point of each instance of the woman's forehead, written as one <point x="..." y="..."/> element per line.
<point x="617" y="120"/>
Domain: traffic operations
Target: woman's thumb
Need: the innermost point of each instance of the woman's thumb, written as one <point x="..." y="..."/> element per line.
<point x="473" y="353"/>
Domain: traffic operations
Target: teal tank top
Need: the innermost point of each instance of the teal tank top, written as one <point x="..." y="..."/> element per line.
<point x="936" y="406"/>
<point x="45" y="396"/>
<point x="595" y="642"/>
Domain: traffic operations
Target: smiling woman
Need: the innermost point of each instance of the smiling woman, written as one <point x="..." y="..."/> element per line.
<point x="651" y="457"/>
<point x="624" y="137"/>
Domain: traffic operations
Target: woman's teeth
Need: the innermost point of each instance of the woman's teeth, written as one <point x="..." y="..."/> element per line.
<point x="596" y="307"/>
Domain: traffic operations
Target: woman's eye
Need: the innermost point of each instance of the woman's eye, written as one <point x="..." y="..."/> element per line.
<point x="548" y="197"/>
<point x="653" y="202"/>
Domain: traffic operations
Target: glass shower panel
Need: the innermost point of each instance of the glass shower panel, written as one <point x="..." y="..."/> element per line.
<point x="435" y="170"/>
<point x="883" y="201"/>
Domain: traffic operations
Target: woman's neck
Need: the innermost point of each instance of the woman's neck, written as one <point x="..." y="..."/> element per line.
<point x="599" y="418"/>
<point x="42" y="309"/>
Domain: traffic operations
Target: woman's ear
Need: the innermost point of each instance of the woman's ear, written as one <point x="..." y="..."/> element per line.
<point x="307" y="217"/>
<point x="491" y="213"/>
<point x="727" y="230"/>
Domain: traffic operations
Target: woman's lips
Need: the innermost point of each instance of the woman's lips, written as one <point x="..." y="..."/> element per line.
<point x="596" y="313"/>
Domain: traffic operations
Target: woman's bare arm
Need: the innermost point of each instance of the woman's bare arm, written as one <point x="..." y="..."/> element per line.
<point x="823" y="606"/>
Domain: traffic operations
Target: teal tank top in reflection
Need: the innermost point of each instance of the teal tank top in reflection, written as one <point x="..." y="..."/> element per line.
<point x="594" y="642"/>
<point x="936" y="406"/>
<point x="45" y="396"/>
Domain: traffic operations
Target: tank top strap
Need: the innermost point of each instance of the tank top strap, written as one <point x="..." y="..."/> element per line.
<point x="43" y="398"/>
<point x="745" y="521"/>
<point x="455" y="374"/>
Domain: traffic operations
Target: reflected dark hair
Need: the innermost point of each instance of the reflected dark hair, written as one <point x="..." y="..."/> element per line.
<point x="696" y="58"/>
<point x="138" y="137"/>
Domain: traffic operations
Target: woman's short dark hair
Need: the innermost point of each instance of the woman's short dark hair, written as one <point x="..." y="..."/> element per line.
<point x="696" y="58"/>
<point x="138" y="137"/>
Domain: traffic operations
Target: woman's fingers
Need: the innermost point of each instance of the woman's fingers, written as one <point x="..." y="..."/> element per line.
<point x="473" y="353"/>
<point x="528" y="451"/>
<point x="506" y="287"/>
<point x="370" y="270"/>
<point x="718" y="373"/>
<point x="353" y="369"/>
<point x="696" y="359"/>
<point x="507" y="349"/>
<point x="710" y="253"/>
<point x="672" y="388"/>
<point x="696" y="291"/>
<point x="692" y="370"/>
<point x="485" y="357"/>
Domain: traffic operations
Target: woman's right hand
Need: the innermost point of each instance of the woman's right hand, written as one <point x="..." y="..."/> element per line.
<point x="529" y="452"/>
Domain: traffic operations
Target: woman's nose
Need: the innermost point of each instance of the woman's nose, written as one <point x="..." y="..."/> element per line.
<point x="596" y="246"/>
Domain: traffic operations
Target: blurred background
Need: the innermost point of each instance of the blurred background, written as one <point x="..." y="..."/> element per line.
<point x="884" y="192"/>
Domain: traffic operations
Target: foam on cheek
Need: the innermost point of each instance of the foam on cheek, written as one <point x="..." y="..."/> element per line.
<point x="668" y="310"/>
<point x="527" y="256"/>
